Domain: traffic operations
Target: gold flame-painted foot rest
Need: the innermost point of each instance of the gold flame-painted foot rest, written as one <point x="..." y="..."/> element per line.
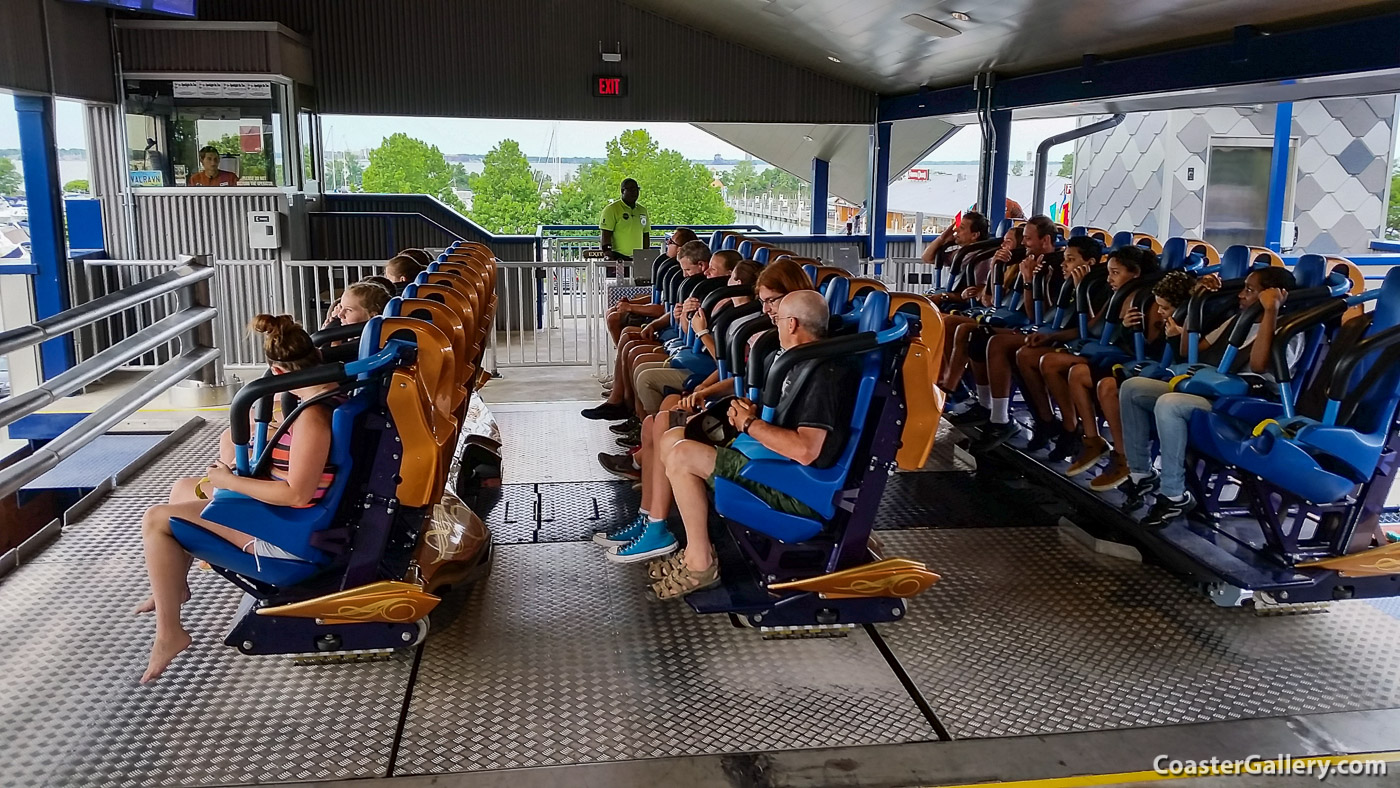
<point x="386" y="601"/>
<point x="1376" y="562"/>
<point x="893" y="577"/>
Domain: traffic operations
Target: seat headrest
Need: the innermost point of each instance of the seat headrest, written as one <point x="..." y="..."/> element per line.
<point x="1311" y="270"/>
<point x="1122" y="238"/>
<point x="838" y="293"/>
<point x="1234" y="264"/>
<point x="1174" y="253"/>
<point x="1387" y="311"/>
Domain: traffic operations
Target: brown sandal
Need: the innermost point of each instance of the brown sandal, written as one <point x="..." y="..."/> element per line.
<point x="683" y="581"/>
<point x="662" y="568"/>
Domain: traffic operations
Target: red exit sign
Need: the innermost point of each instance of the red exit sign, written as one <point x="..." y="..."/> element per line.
<point x="609" y="86"/>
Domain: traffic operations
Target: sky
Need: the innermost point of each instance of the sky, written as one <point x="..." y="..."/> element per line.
<point x="572" y="138"/>
<point x="588" y="138"/>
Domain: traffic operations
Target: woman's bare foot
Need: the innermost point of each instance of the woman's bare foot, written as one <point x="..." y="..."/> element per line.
<point x="163" y="651"/>
<point x="149" y="605"/>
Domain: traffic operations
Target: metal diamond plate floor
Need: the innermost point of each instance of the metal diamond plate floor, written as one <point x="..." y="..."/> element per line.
<point x="72" y="714"/>
<point x="1030" y="633"/>
<point x="563" y="659"/>
<point x="551" y="444"/>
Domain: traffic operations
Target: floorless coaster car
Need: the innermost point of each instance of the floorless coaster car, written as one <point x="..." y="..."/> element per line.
<point x="1306" y="485"/>
<point x="780" y="570"/>
<point x="372" y="552"/>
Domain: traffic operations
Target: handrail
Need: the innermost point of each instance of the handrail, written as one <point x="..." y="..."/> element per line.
<point x="157" y="334"/>
<point x="86" y="314"/>
<point x="103" y="419"/>
<point x="191" y="324"/>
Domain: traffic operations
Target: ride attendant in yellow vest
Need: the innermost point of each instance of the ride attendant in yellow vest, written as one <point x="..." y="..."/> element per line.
<point x="625" y="225"/>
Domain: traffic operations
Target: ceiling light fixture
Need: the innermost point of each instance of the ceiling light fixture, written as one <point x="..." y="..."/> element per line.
<point x="807" y="137"/>
<point x="833" y="58"/>
<point x="961" y="17"/>
<point x="930" y="26"/>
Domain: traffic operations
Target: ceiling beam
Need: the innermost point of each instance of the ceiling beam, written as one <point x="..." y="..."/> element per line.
<point x="1252" y="56"/>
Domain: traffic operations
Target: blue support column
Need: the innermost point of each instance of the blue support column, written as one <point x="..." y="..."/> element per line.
<point x="880" y="191"/>
<point x="995" y="207"/>
<point x="1278" y="174"/>
<point x="48" y="249"/>
<point x="821" y="169"/>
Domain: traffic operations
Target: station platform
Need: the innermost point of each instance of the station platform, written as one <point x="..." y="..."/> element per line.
<point x="1035" y="659"/>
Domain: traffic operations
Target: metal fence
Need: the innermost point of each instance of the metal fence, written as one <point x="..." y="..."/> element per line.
<point x="549" y="314"/>
<point x="243" y="288"/>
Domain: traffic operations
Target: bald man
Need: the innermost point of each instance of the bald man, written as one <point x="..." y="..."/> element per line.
<point x="813" y="432"/>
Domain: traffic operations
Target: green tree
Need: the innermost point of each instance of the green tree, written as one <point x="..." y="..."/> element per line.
<point x="506" y="197"/>
<point x="780" y="181"/>
<point x="674" y="190"/>
<point x="743" y="179"/>
<point x="404" y="165"/>
<point x="461" y="179"/>
<point x="1066" y="166"/>
<point x="77" y="187"/>
<point x="1392" y="217"/>
<point x="11" y="181"/>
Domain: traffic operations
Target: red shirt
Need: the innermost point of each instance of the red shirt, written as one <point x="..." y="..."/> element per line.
<point x="224" y="178"/>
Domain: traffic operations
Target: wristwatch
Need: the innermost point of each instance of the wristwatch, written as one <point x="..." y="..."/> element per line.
<point x="747" y="424"/>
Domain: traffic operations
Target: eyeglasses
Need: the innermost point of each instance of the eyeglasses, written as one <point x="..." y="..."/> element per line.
<point x="770" y="300"/>
<point x="784" y="317"/>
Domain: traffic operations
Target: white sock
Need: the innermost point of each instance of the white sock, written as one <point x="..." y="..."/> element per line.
<point x="1001" y="407"/>
<point x="1137" y="477"/>
<point x="643" y="512"/>
<point x="984" y="395"/>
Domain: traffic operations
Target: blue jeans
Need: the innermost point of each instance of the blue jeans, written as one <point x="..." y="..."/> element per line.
<point x="1143" y="400"/>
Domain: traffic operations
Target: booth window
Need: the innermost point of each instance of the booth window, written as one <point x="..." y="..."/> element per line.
<point x="169" y="122"/>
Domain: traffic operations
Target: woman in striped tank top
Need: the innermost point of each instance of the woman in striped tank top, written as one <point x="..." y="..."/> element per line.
<point x="300" y="476"/>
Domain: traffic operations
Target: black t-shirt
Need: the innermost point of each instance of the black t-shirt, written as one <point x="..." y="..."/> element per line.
<point x="826" y="402"/>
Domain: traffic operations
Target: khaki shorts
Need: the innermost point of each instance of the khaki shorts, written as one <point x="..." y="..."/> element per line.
<point x="652" y="383"/>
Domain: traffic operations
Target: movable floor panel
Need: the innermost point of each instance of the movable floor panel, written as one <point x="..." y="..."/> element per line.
<point x="1030" y="633"/>
<point x="98" y="461"/>
<point x="552" y="445"/>
<point x="72" y="713"/>
<point x="567" y="512"/>
<point x="563" y="658"/>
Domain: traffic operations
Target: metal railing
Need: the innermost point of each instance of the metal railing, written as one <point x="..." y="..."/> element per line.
<point x="311" y="287"/>
<point x="549" y="314"/>
<point x="190" y="325"/>
<point x="245" y="288"/>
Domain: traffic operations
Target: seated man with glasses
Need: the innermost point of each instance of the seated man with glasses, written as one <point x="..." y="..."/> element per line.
<point x="813" y="431"/>
<point x="639" y="311"/>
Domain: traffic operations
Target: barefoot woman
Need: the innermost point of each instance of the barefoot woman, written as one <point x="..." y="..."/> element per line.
<point x="299" y="478"/>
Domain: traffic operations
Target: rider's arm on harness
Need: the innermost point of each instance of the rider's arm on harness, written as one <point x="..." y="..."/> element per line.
<point x="307" y="463"/>
<point x="1259" y="354"/>
<point x="804" y="444"/>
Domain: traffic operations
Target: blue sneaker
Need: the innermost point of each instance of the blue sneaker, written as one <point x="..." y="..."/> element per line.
<point x="653" y="542"/>
<point x="620" y="535"/>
